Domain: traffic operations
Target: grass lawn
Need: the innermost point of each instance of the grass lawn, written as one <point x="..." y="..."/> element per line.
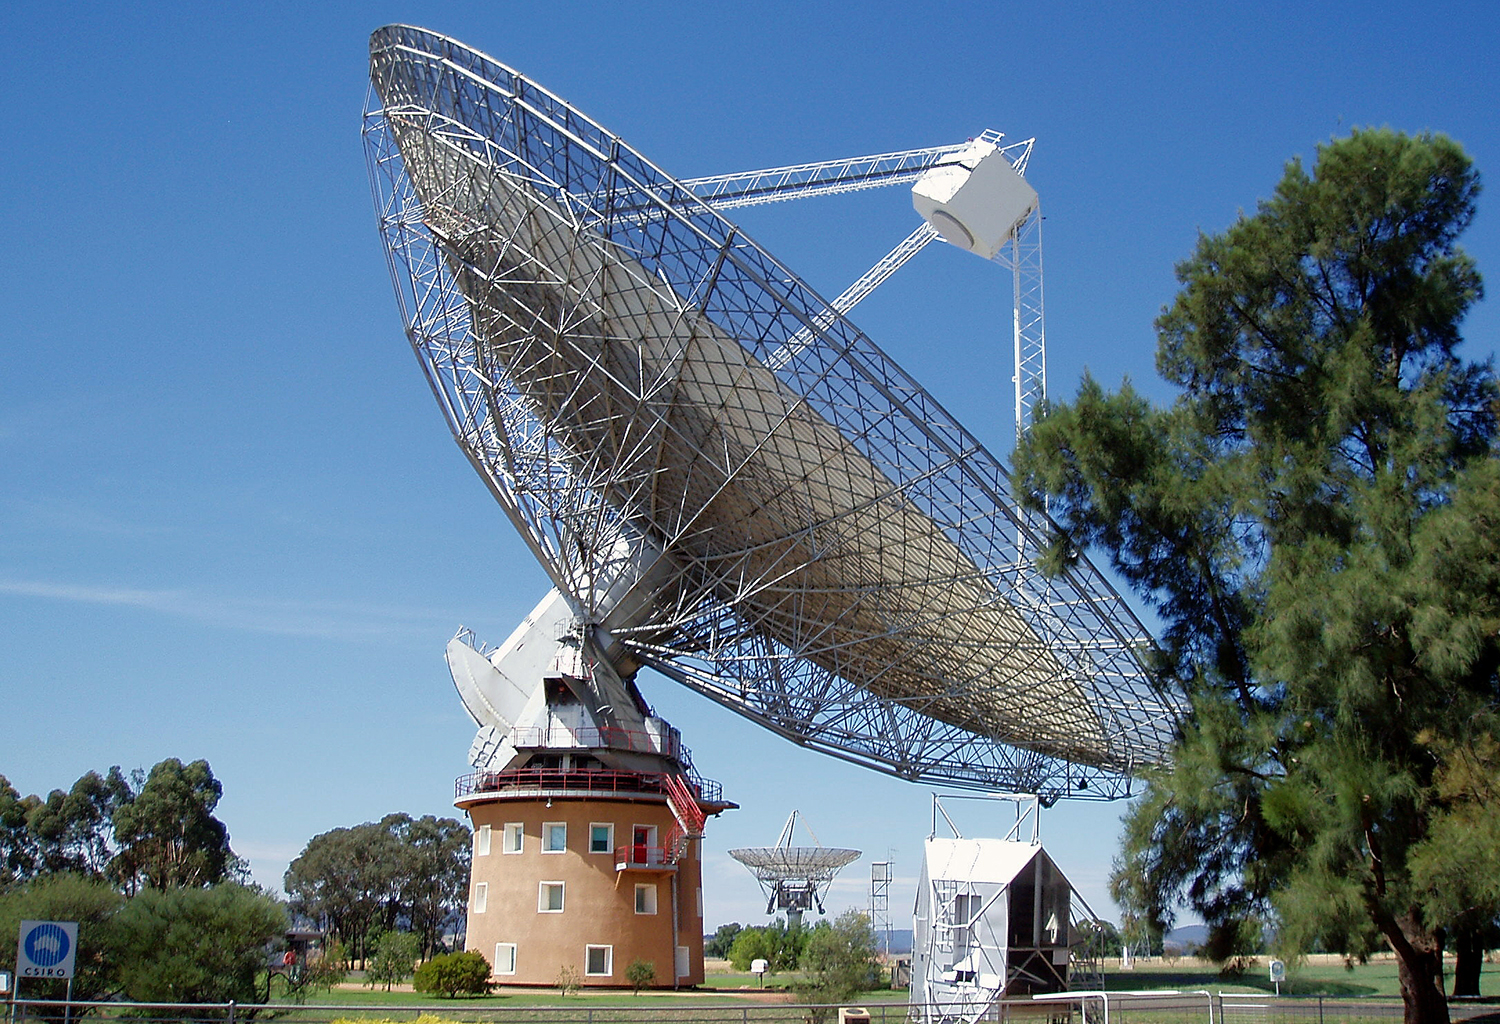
<point x="1324" y="976"/>
<point x="719" y="988"/>
<point x="1319" y="975"/>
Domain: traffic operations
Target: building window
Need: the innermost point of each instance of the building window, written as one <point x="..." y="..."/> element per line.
<point x="481" y="897"/>
<point x="482" y="841"/>
<point x="515" y="836"/>
<point x="505" y="958"/>
<point x="549" y="898"/>
<point x="554" y="837"/>
<point x="598" y="961"/>
<point x="645" y="899"/>
<point x="601" y="837"/>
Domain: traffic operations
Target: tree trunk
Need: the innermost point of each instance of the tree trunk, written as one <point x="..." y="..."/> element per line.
<point x="1468" y="945"/>
<point x="1419" y="963"/>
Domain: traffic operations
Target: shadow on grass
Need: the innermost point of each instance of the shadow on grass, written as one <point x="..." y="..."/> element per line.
<point x="1192" y="980"/>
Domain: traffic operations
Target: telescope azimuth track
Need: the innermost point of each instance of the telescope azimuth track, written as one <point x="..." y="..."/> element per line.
<point x="724" y="477"/>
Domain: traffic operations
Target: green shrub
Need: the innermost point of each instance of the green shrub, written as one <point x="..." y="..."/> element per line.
<point x="196" y="945"/>
<point x="640" y="973"/>
<point x="448" y="974"/>
<point x="395" y="952"/>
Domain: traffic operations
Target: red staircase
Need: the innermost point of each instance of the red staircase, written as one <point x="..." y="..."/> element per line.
<point x="690" y="816"/>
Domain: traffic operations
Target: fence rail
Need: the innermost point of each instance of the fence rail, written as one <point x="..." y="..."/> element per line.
<point x="1070" y="1008"/>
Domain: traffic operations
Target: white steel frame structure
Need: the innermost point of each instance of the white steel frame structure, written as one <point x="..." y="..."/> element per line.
<point x="1021" y="255"/>
<point x="725" y="478"/>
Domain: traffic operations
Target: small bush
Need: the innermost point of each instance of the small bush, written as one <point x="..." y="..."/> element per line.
<point x="567" y="980"/>
<point x="395" y="952"/>
<point x="448" y="974"/>
<point x="640" y="973"/>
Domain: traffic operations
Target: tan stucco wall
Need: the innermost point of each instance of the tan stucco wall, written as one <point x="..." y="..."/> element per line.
<point x="599" y="902"/>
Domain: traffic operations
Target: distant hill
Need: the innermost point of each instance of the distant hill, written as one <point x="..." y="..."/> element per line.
<point x="900" y="941"/>
<point x="1185" y="939"/>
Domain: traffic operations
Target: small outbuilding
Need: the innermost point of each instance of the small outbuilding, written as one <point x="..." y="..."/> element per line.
<point x="992" y="920"/>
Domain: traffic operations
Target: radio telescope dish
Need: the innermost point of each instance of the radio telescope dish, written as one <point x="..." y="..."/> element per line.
<point x="724" y="478"/>
<point x="794" y="878"/>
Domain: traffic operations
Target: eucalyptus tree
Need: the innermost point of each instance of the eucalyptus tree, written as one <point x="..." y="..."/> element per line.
<point x="399" y="872"/>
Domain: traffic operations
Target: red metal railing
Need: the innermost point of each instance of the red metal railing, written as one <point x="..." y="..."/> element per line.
<point x="598" y="780"/>
<point x="643" y="857"/>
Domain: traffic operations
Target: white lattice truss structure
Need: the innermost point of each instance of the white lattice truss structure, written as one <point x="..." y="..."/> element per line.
<point x="728" y="480"/>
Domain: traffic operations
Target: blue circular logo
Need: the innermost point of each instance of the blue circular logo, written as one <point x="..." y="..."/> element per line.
<point x="47" y="945"/>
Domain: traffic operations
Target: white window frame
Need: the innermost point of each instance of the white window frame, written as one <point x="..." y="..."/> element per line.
<point x="500" y="958"/>
<point x="609" y="840"/>
<point x="609" y="962"/>
<point x="547" y="827"/>
<point x="514" y="830"/>
<point x="482" y="841"/>
<point x="481" y="898"/>
<point x="642" y="888"/>
<point x="541" y="894"/>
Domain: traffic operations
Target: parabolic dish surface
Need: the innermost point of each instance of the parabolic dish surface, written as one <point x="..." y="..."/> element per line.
<point x="719" y="469"/>
<point x="809" y="862"/>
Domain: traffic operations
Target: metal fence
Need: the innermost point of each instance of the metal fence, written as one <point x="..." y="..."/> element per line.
<point x="1069" y="1008"/>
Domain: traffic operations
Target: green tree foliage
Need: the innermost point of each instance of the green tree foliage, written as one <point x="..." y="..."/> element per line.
<point x="128" y="831"/>
<point x="840" y="959"/>
<point x="168" y="834"/>
<point x="719" y="944"/>
<point x="343" y="879"/>
<point x="1100" y="939"/>
<point x="640" y="973"/>
<point x="395" y="956"/>
<point x="192" y="945"/>
<point x="748" y="946"/>
<point x="778" y="944"/>
<point x="1307" y="519"/>
<point x="1458" y="864"/>
<point x="433" y="879"/>
<point x="92" y="903"/>
<point x="17" y="860"/>
<point x="73" y="831"/>
<point x="362" y="880"/>
<point x="449" y="974"/>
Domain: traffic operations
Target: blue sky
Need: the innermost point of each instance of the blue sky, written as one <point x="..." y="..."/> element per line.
<point x="232" y="523"/>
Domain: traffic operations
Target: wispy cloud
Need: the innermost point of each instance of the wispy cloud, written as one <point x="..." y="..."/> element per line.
<point x="333" y="620"/>
<point x="59" y="515"/>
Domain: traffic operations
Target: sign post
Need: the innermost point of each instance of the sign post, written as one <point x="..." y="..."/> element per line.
<point x="47" y="949"/>
<point x="1278" y="974"/>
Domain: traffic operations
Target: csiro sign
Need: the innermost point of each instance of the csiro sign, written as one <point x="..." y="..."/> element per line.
<point x="46" y="949"/>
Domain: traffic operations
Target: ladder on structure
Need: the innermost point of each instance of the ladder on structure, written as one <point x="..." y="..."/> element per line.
<point x="689" y="814"/>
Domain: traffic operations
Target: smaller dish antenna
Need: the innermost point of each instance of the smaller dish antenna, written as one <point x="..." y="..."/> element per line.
<point x="794" y="878"/>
